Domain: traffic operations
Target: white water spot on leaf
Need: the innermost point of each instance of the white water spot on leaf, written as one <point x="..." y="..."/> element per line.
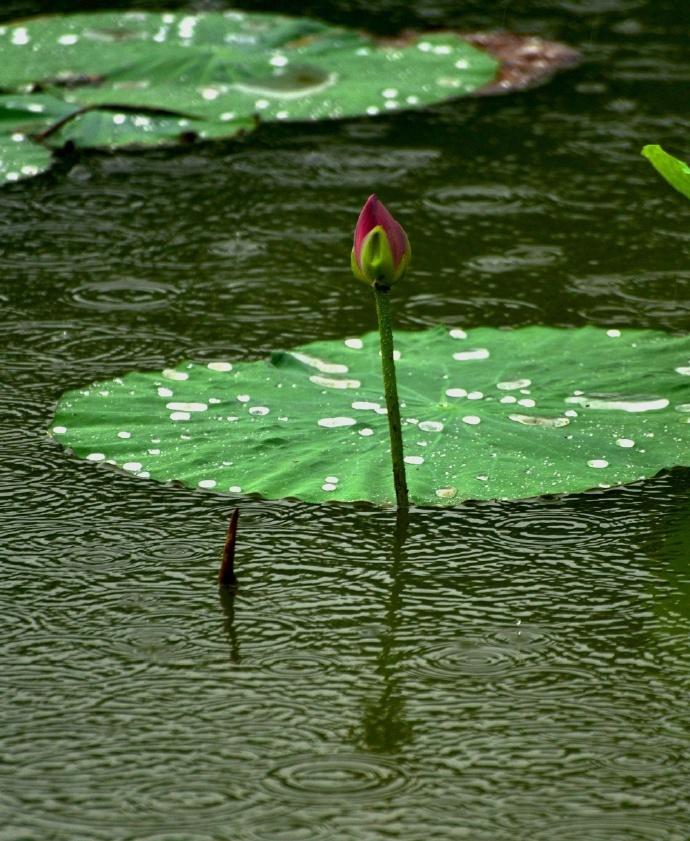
<point x="467" y="355"/>
<point x="333" y="480"/>
<point x="172" y="374"/>
<point x="96" y="457"/>
<point x="366" y="432"/>
<point x="180" y="416"/>
<point x="208" y="483"/>
<point x="219" y="366"/>
<point x="59" y="430"/>
<point x="527" y="402"/>
<point x="613" y="333"/>
<point x="187" y="26"/>
<point x="20" y="36"/>
<point x="154" y="451"/>
<point x="124" y="434"/>
<point x="412" y="100"/>
<point x="625" y="442"/>
<point x="446" y="493"/>
<point x="472" y="420"/>
<point x="389" y="93"/>
<point x="431" y="426"/>
<point x="259" y="410"/>
<point x="475" y="395"/>
<point x="132" y="466"/>
<point x="530" y="420"/>
<point x="165" y="392"/>
<point x="354" y="344"/>
<point x="570" y="413"/>
<point x="372" y="110"/>
<point x="243" y="398"/>
<point x="457" y="333"/>
<point x="508" y="398"/>
<point x="618" y="403"/>
<point x="235" y="489"/>
<point x="513" y="385"/>
<point x="366" y="406"/>
<point x="320" y="364"/>
<point x="413" y="459"/>
<point x="278" y="60"/>
<point x="328" y="486"/>
<point x="68" y="40"/>
<point x="330" y="382"/>
<point x="597" y="462"/>
<point x="456" y="392"/>
<point x="187" y="407"/>
<point x="334" y="423"/>
<point x="685" y="371"/>
<point x="462" y="64"/>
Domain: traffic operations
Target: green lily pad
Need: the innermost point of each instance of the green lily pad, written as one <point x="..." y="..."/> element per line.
<point x="486" y="413"/>
<point x="674" y="171"/>
<point x="142" y="74"/>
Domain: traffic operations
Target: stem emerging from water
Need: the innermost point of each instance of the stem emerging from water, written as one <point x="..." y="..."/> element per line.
<point x="383" y="310"/>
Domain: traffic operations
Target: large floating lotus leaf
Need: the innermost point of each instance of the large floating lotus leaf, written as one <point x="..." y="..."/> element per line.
<point x="218" y="72"/>
<point x="486" y="414"/>
<point x="674" y="171"/>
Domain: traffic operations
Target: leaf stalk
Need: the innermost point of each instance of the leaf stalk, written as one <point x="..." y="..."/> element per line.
<point x="383" y="311"/>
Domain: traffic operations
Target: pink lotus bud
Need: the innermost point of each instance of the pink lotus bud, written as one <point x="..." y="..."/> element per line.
<point x="381" y="251"/>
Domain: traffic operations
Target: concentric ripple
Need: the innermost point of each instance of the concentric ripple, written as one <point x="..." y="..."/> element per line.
<point x="476" y="656"/>
<point x="355" y="777"/>
<point x="126" y="293"/>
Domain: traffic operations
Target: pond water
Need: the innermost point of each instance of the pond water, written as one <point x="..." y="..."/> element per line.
<point x="517" y="671"/>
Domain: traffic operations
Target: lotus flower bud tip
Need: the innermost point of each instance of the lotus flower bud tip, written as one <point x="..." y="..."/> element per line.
<point x="381" y="251"/>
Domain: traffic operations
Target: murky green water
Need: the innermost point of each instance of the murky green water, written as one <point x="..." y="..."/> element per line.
<point x="519" y="671"/>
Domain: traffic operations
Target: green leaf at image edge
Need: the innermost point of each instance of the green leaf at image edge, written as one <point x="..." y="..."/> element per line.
<point x="486" y="413"/>
<point x="674" y="171"/>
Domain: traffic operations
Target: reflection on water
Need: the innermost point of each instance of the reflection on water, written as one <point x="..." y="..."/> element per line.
<point x="510" y="670"/>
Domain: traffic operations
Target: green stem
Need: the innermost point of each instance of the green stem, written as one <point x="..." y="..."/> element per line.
<point x="390" y="385"/>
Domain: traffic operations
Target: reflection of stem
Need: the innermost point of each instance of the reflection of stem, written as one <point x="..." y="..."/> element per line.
<point x="391" y="388"/>
<point x="384" y="725"/>
<point x="227" y="600"/>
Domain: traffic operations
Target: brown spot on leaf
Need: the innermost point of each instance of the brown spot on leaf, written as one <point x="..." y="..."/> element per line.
<point x="525" y="60"/>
